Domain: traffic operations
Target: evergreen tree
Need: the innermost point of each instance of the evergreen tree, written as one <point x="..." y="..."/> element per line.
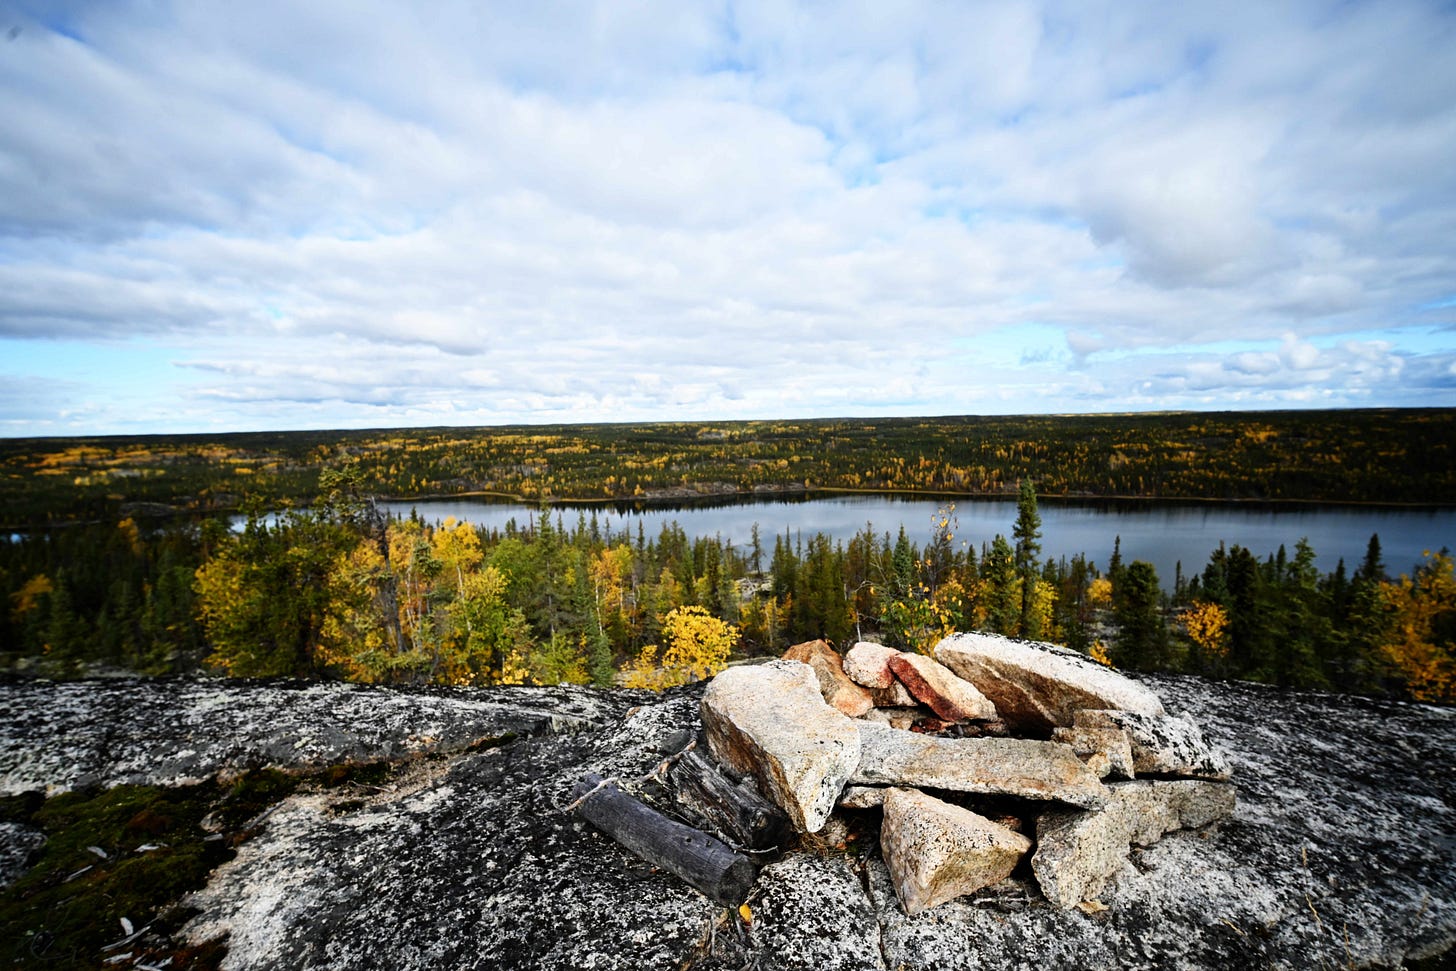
<point x="1142" y="638"/>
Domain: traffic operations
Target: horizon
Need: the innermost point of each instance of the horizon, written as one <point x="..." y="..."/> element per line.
<point x="360" y="217"/>
<point x="505" y="426"/>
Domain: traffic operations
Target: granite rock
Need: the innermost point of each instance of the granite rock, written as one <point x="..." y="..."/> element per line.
<point x="901" y="718"/>
<point x="834" y="684"/>
<point x="1027" y="768"/>
<point x="1106" y="751"/>
<point x="1339" y="852"/>
<point x="869" y="664"/>
<point x="1161" y="744"/>
<point x="937" y="852"/>
<point x="1077" y="851"/>
<point x="770" y="721"/>
<point x="895" y="696"/>
<point x="1037" y="687"/>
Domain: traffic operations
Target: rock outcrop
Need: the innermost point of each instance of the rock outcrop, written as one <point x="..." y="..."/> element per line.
<point x="1339" y="852"/>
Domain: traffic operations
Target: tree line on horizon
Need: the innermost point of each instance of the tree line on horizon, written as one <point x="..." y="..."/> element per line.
<point x="338" y="590"/>
<point x="1375" y="455"/>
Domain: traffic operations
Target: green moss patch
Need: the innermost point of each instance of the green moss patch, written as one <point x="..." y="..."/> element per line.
<point x="132" y="852"/>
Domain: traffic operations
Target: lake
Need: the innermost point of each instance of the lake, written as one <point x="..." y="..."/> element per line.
<point x="1160" y="532"/>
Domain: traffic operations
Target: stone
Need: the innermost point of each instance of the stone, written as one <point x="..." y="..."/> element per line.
<point x="1028" y="768"/>
<point x="869" y="664"/>
<point x="895" y="696"/>
<point x="1078" y="851"/>
<point x="862" y="797"/>
<point x="770" y="720"/>
<point x="834" y="684"/>
<point x="901" y="718"/>
<point x="937" y="852"/>
<point x="1037" y="687"/>
<point x="934" y="684"/>
<point x="1106" y="751"/>
<point x="1161" y="744"/>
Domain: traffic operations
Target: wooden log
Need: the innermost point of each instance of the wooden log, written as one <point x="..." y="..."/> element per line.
<point x="736" y="810"/>
<point x="701" y="861"/>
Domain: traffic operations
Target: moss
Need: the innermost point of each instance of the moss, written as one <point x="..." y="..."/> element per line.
<point x="71" y="903"/>
<point x="159" y="844"/>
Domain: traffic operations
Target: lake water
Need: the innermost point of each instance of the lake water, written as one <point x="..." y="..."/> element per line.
<point x="1161" y="533"/>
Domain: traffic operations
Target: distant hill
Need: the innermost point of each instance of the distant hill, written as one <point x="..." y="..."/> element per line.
<point x="1375" y="455"/>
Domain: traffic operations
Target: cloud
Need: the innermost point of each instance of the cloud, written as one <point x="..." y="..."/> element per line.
<point x="477" y="213"/>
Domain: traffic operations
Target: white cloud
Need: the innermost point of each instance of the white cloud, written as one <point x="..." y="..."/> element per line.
<point x="504" y="212"/>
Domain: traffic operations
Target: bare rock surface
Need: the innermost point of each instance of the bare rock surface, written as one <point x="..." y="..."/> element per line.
<point x="1022" y="767"/>
<point x="1038" y="686"/>
<point x="945" y="694"/>
<point x="1340" y="852"/>
<point x="834" y="684"/>
<point x="869" y="664"/>
<point x="175" y="731"/>
<point x="769" y="720"/>
<point x="936" y="851"/>
<point x="1077" y="851"/>
<point x="1161" y="744"/>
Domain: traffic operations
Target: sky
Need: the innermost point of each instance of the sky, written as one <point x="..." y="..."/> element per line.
<point x="251" y="216"/>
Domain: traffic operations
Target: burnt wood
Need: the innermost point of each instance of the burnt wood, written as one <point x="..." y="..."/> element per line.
<point x="734" y="809"/>
<point x="700" y="860"/>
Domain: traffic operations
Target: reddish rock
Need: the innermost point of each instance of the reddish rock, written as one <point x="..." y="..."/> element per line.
<point x="834" y="684"/>
<point x="938" y="687"/>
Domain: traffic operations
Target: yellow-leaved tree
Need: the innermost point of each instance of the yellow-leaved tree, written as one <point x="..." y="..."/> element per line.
<point x="698" y="645"/>
<point x="1207" y="626"/>
<point x="1421" y="641"/>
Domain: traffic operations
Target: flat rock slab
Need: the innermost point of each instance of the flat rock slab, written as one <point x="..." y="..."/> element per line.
<point x="869" y="664"/>
<point x="770" y="721"/>
<point x="1077" y="851"/>
<point x="937" y="852"/>
<point x="938" y="688"/>
<point x="1036" y="686"/>
<point x="834" y="684"/>
<point x="1161" y="744"/>
<point x="1022" y="767"/>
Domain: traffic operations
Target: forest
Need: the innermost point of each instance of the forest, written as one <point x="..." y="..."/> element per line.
<point x="336" y="589"/>
<point x="1371" y="455"/>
